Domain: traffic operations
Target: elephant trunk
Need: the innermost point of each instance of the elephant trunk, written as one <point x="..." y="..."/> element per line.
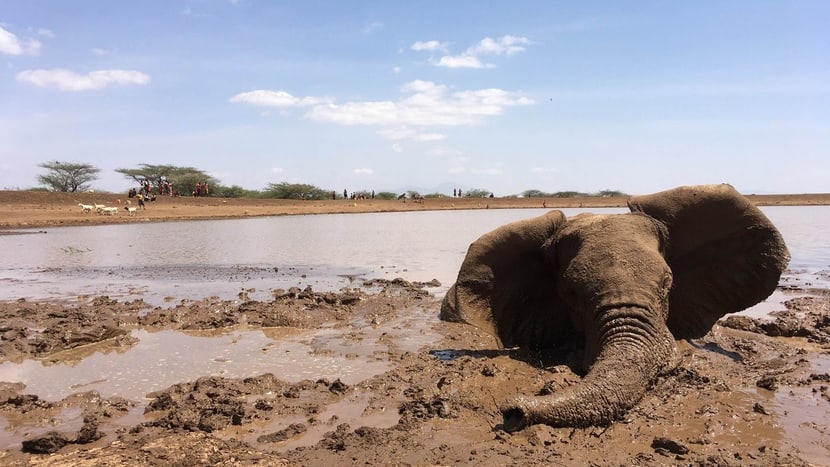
<point x="633" y="349"/>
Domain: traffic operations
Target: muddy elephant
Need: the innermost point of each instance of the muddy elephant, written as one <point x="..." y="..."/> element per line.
<point x="627" y="285"/>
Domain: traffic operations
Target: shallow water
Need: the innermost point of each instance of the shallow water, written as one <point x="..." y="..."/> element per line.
<point x="164" y="263"/>
<point x="199" y="259"/>
<point x="161" y="359"/>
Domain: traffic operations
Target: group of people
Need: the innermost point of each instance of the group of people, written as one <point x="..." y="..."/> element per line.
<point x="201" y="189"/>
<point x="456" y="193"/>
<point x="355" y="195"/>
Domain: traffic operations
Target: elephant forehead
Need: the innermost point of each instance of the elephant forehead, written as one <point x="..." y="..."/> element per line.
<point x="608" y="229"/>
<point x="613" y="248"/>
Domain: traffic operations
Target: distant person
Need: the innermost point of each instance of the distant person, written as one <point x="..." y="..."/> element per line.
<point x="205" y="188"/>
<point x="141" y="201"/>
<point x="198" y="190"/>
<point x="454" y="193"/>
<point x="345" y="194"/>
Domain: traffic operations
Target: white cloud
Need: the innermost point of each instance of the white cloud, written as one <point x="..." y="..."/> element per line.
<point x="280" y="99"/>
<point x="397" y="147"/>
<point x="505" y="45"/>
<point x="276" y="170"/>
<point x="402" y="133"/>
<point x="100" y="52"/>
<point x="67" y="80"/>
<point x="462" y="61"/>
<point x="363" y="171"/>
<point x="10" y="44"/>
<point x="470" y="58"/>
<point x="396" y="70"/>
<point x="456" y="170"/>
<point x="423" y="104"/>
<point x="426" y="105"/>
<point x="46" y="33"/>
<point x="421" y="46"/>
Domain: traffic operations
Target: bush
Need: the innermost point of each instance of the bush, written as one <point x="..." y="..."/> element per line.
<point x="234" y="191"/>
<point x="477" y="193"/>
<point x="285" y="190"/>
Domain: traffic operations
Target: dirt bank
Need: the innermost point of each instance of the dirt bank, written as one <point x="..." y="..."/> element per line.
<point x="28" y="209"/>
<point x="749" y="393"/>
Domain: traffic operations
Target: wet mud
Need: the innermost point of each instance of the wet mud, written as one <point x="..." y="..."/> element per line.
<point x="752" y="392"/>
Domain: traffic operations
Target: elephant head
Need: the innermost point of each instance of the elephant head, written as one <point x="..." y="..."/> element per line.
<point x="629" y="284"/>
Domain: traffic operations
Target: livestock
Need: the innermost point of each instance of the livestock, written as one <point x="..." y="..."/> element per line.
<point x="86" y="207"/>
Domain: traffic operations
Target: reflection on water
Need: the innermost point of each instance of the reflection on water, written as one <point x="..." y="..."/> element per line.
<point x="199" y="259"/>
<point x="804" y="416"/>
<point x="163" y="358"/>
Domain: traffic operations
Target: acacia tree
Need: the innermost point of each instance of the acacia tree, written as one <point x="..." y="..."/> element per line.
<point x="67" y="176"/>
<point x="183" y="178"/>
<point x="477" y="193"/>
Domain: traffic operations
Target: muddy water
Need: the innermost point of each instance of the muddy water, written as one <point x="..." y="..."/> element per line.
<point x="194" y="260"/>
<point x="163" y="358"/>
<point x="164" y="263"/>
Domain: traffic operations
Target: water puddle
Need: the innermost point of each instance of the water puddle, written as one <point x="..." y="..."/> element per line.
<point x="160" y="359"/>
<point x="164" y="358"/>
<point x="775" y="302"/>
<point x="803" y="415"/>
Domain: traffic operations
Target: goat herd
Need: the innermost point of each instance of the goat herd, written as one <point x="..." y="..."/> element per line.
<point x="106" y="210"/>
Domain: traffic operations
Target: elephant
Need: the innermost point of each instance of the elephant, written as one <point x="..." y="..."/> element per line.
<point x="628" y="285"/>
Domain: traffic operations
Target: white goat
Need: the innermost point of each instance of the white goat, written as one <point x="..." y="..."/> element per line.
<point x="86" y="207"/>
<point x="131" y="211"/>
<point x="109" y="211"/>
<point x="98" y="207"/>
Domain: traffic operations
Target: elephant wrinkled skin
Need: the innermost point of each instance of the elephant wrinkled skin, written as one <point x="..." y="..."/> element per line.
<point x="630" y="284"/>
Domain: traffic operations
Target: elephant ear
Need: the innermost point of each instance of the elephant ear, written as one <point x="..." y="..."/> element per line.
<point x="725" y="255"/>
<point x="506" y="287"/>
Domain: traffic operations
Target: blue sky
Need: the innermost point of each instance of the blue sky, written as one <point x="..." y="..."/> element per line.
<point x="637" y="96"/>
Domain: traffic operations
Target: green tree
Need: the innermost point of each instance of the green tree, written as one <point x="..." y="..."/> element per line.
<point x="536" y="194"/>
<point x="233" y="191"/>
<point x="569" y="194"/>
<point x="477" y="193"/>
<point x="285" y="190"/>
<point x="610" y="193"/>
<point x="386" y="195"/>
<point x="183" y="178"/>
<point x="67" y="176"/>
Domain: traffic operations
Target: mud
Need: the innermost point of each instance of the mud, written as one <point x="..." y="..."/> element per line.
<point x="751" y="392"/>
